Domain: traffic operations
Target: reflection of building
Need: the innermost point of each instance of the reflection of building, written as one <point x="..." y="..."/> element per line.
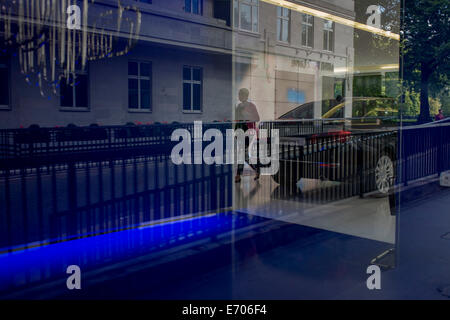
<point x="289" y="59"/>
<point x="182" y="67"/>
<point x="180" y="70"/>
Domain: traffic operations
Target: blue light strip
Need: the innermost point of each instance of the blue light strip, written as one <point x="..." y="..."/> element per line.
<point x="46" y="242"/>
<point x="19" y="266"/>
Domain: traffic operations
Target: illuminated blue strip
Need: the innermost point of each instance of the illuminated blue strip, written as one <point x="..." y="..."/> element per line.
<point x="22" y="266"/>
<point x="21" y="247"/>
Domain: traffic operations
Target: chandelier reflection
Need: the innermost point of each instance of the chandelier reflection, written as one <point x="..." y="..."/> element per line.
<point x="37" y="31"/>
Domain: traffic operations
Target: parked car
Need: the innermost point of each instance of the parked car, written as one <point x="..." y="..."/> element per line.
<point x="363" y="147"/>
<point x="362" y="107"/>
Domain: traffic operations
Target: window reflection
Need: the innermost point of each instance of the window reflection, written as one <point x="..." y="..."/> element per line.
<point x="139" y="85"/>
<point x="192" y="88"/>
<point x="283" y="24"/>
<point x="308" y="31"/>
<point x="246" y="15"/>
<point x="328" y="35"/>
<point x="74" y="90"/>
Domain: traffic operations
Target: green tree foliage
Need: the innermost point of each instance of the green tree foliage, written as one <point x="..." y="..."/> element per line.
<point x="426" y="49"/>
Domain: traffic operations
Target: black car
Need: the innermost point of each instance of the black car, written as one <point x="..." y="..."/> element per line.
<point x="337" y="148"/>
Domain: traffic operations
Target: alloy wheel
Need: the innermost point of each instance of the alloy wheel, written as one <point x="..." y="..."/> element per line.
<point x="384" y="174"/>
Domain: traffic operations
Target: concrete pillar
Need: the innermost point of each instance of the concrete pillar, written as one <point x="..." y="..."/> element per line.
<point x="317" y="93"/>
<point x="349" y="83"/>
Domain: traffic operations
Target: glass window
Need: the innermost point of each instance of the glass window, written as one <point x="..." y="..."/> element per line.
<point x="145" y="69"/>
<point x="133" y="100"/>
<point x="193" y="6"/>
<point x="246" y="17"/>
<point x="333" y="109"/>
<point x="246" y="14"/>
<point x="139" y="85"/>
<point x="328" y="35"/>
<point x="197" y="74"/>
<point x="308" y="31"/>
<point x="4" y="82"/>
<point x="359" y="108"/>
<point x="283" y="16"/>
<point x="192" y="89"/>
<point x="74" y="90"/>
<point x="133" y="68"/>
<point x="81" y="91"/>
<point x="304" y="111"/>
<point x="187" y="96"/>
<point x="381" y="108"/>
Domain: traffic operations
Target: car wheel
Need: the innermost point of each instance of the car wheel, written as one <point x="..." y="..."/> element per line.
<point x="384" y="174"/>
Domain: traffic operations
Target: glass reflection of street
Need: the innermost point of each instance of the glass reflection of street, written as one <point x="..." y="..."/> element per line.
<point x="349" y="100"/>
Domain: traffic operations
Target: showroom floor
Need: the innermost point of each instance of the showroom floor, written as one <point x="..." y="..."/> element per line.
<point x="369" y="217"/>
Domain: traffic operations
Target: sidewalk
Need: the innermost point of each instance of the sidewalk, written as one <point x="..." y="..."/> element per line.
<point x="280" y="260"/>
<point x="423" y="253"/>
<point x="330" y="265"/>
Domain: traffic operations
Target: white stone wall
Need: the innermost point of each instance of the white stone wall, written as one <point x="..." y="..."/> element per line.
<point x="108" y="94"/>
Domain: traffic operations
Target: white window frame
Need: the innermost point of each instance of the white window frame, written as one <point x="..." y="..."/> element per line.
<point x="307" y="25"/>
<point x="191" y="83"/>
<point x="6" y="66"/>
<point x="253" y="4"/>
<point x="74" y="88"/>
<point x="283" y="18"/>
<point x="139" y="77"/>
<point x="328" y="32"/>
<point x="200" y="7"/>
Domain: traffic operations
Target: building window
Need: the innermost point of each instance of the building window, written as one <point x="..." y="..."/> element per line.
<point x="4" y="83"/>
<point x="283" y="15"/>
<point x="139" y="86"/>
<point x="74" y="92"/>
<point x="193" y="6"/>
<point x="145" y="1"/>
<point x="328" y="35"/>
<point x="192" y="89"/>
<point x="246" y="15"/>
<point x="308" y="31"/>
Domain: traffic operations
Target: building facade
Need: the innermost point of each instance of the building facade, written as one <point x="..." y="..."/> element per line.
<point x="188" y="60"/>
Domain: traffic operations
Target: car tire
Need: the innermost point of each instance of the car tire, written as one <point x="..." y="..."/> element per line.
<point x="383" y="176"/>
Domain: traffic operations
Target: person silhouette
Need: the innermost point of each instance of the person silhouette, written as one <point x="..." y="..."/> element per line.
<point x="439" y="116"/>
<point x="247" y="117"/>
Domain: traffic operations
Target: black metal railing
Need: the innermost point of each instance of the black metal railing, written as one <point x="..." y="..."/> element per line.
<point x="425" y="151"/>
<point x="23" y="148"/>
<point x="58" y="183"/>
<point x="331" y="150"/>
<point x="347" y="150"/>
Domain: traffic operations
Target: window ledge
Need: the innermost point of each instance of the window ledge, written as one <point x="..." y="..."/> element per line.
<point x="74" y="109"/>
<point x="247" y="32"/>
<point x="192" y="111"/>
<point x="191" y="14"/>
<point x="139" y="111"/>
<point x="5" y="107"/>
<point x="284" y="43"/>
